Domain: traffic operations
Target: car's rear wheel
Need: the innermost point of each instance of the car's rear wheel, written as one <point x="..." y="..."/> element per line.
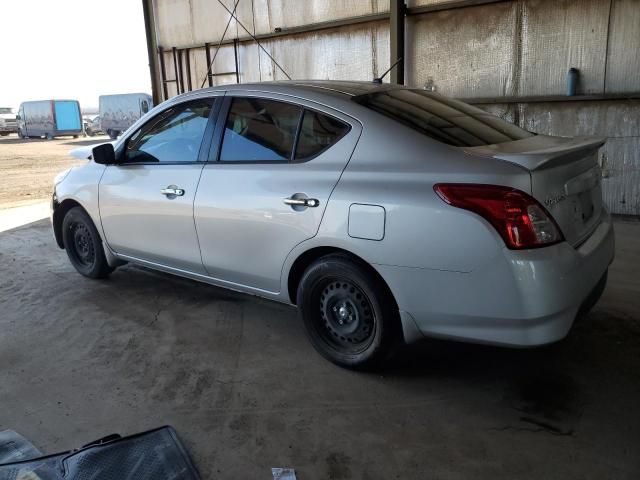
<point x="83" y="244"/>
<point x="348" y="313"/>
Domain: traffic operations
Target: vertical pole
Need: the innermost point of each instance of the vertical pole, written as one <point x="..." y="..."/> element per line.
<point x="175" y="69"/>
<point x="208" y="54"/>
<point x="163" y="77"/>
<point x="181" y="71"/>
<point x="397" y="40"/>
<point x="152" y="49"/>
<point x="235" y="53"/>
<point x="187" y="60"/>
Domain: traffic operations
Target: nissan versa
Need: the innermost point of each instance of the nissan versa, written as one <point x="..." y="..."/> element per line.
<point x="384" y="213"/>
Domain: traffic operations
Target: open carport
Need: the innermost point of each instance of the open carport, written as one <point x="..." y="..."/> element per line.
<point x="235" y="374"/>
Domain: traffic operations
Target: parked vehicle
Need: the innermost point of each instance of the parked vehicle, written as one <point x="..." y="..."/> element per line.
<point x="384" y="213"/>
<point x="49" y="118"/>
<point x="92" y="126"/>
<point x="119" y="112"/>
<point x="8" y="121"/>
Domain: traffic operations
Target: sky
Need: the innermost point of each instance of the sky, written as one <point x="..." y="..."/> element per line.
<point x="75" y="49"/>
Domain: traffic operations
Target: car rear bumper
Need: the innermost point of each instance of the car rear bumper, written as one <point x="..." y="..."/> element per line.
<point x="519" y="299"/>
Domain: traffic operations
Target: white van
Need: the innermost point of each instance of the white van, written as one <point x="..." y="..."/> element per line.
<point x="119" y="112"/>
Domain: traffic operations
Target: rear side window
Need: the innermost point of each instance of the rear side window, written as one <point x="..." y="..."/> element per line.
<point x="260" y="130"/>
<point x="449" y="121"/>
<point x="317" y="133"/>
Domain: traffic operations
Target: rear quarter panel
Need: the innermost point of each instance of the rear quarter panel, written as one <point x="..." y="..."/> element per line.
<point x="396" y="168"/>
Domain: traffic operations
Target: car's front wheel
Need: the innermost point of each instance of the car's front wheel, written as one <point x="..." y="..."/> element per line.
<point x="83" y="244"/>
<point x="347" y="311"/>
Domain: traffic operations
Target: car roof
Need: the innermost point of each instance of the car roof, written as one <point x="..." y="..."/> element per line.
<point x="345" y="89"/>
<point x="335" y="94"/>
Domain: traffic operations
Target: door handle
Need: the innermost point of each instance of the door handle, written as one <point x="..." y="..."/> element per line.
<point x="172" y="191"/>
<point x="302" y="202"/>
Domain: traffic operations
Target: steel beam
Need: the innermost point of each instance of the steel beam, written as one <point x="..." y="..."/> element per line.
<point x="152" y="49"/>
<point x="396" y="37"/>
<point x="285" y="32"/>
<point x="449" y="6"/>
<point x="552" y="98"/>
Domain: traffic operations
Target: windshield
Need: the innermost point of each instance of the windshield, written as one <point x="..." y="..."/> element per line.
<point x="449" y="121"/>
<point x="6" y="110"/>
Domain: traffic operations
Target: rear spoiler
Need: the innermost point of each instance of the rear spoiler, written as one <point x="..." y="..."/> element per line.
<point x="540" y="151"/>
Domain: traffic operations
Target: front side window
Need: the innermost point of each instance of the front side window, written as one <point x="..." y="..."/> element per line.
<point x="317" y="133"/>
<point x="449" y="121"/>
<point x="259" y="130"/>
<point x="173" y="136"/>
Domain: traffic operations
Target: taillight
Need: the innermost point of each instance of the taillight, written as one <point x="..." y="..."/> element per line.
<point x="519" y="218"/>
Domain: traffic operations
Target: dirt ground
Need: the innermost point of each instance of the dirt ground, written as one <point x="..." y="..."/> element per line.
<point x="28" y="166"/>
<point x="237" y="378"/>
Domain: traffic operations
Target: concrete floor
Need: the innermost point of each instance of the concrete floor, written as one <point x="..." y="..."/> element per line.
<point x="236" y="377"/>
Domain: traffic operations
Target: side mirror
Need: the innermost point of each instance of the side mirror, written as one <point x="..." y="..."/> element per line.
<point x="104" y="154"/>
<point x="17" y="117"/>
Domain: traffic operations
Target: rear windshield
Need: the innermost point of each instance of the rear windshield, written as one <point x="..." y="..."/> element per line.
<point x="6" y="110"/>
<point x="449" y="121"/>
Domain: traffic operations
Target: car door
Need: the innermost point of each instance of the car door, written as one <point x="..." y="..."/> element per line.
<point x="274" y="166"/>
<point x="146" y="200"/>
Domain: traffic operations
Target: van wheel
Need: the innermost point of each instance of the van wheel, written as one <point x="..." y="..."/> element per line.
<point x="347" y="312"/>
<point x="48" y="136"/>
<point x="20" y="135"/>
<point x="83" y="244"/>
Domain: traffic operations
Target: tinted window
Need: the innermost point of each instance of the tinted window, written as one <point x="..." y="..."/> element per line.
<point x="259" y="130"/>
<point x="145" y="106"/>
<point x="317" y="133"/>
<point x="449" y="121"/>
<point x="173" y="136"/>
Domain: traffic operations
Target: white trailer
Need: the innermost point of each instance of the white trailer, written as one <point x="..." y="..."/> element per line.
<point x="119" y="112"/>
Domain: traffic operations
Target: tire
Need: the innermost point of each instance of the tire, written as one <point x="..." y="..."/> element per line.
<point x="75" y="136"/>
<point x="83" y="244"/>
<point x="48" y="136"/>
<point x="348" y="313"/>
<point x="20" y="135"/>
<point x="4" y="134"/>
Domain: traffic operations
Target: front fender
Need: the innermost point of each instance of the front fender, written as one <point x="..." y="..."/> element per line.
<point x="79" y="187"/>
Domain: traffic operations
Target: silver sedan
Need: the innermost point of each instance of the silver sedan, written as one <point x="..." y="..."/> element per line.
<point x="385" y="214"/>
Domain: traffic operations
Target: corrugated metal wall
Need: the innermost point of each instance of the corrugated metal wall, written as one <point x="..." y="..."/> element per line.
<point x="491" y="52"/>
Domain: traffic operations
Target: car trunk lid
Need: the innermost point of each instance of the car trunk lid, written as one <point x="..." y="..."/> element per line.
<point x="565" y="178"/>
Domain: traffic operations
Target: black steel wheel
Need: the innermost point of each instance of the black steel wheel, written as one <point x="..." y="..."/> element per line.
<point x="348" y="312"/>
<point x="84" y="245"/>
